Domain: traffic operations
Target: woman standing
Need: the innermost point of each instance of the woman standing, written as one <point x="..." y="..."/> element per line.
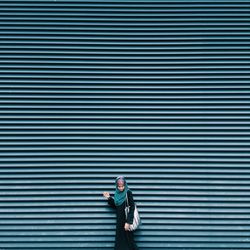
<point x="124" y="239"/>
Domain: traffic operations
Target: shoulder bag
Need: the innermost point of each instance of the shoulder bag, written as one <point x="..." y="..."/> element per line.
<point x="137" y="220"/>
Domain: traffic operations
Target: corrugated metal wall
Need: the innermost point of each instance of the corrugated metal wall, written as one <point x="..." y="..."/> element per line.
<point x="155" y="90"/>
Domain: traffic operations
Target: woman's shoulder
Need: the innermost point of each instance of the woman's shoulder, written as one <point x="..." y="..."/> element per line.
<point x="129" y="192"/>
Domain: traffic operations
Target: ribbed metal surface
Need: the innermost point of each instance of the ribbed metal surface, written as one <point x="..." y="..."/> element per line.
<point x="157" y="91"/>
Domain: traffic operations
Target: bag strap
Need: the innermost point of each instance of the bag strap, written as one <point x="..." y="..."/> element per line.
<point x="127" y="199"/>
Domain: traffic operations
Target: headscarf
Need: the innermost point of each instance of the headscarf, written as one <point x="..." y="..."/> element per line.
<point x="119" y="196"/>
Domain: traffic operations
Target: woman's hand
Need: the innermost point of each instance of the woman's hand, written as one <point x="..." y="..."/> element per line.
<point x="126" y="227"/>
<point x="106" y="195"/>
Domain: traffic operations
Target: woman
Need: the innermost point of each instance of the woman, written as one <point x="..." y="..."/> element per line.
<point x="124" y="239"/>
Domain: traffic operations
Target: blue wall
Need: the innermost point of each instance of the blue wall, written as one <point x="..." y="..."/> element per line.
<point x="157" y="91"/>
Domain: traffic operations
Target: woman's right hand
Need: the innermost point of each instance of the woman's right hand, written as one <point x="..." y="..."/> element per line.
<point x="106" y="195"/>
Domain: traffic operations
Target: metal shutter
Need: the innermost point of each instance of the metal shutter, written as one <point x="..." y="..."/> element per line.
<point x="157" y="91"/>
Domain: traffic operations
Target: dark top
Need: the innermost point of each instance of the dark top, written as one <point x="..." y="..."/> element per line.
<point x="124" y="240"/>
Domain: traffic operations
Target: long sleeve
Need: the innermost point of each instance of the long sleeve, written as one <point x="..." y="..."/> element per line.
<point x="131" y="209"/>
<point x="111" y="202"/>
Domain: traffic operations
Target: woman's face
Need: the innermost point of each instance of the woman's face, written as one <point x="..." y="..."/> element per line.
<point x="120" y="187"/>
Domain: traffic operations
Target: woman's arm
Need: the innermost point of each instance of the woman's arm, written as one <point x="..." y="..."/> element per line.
<point x="131" y="209"/>
<point x="110" y="200"/>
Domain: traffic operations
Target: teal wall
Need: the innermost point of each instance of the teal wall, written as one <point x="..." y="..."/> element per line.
<point x="157" y="91"/>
